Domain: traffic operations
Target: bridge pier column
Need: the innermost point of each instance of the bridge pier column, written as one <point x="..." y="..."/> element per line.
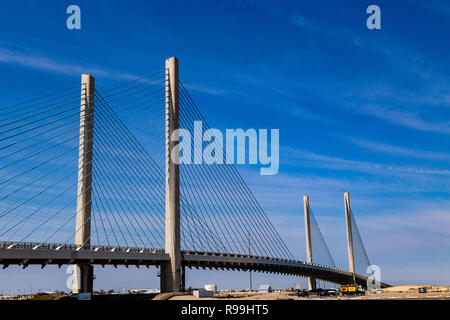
<point x="83" y="274"/>
<point x="83" y="279"/>
<point x="311" y="280"/>
<point x="348" y="220"/>
<point x="171" y="271"/>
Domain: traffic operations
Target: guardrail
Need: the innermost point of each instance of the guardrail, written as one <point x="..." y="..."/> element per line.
<point x="216" y="258"/>
<point x="56" y="246"/>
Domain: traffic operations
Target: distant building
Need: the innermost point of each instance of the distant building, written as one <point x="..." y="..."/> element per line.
<point x="145" y="291"/>
<point x="211" y="287"/>
<point x="298" y="286"/>
<point x="202" y="293"/>
<point x="265" y="288"/>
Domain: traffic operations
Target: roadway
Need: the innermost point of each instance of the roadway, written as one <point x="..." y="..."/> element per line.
<point x="25" y="254"/>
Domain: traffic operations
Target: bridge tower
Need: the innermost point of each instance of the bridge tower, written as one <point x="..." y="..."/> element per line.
<point x="348" y="220"/>
<point x="83" y="274"/>
<point x="171" y="270"/>
<point x="311" y="280"/>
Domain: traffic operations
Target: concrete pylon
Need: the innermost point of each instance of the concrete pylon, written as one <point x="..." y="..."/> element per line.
<point x="83" y="274"/>
<point x="348" y="220"/>
<point x="171" y="271"/>
<point x="311" y="280"/>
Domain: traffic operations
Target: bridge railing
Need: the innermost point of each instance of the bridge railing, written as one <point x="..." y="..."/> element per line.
<point x="230" y="260"/>
<point x="262" y="258"/>
<point x="56" y="246"/>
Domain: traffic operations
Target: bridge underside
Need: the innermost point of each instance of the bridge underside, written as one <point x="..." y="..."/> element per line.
<point x="68" y="254"/>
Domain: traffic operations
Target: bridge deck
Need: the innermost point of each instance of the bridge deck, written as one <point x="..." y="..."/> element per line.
<point x="33" y="254"/>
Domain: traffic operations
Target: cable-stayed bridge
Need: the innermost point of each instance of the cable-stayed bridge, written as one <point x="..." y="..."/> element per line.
<point x="98" y="184"/>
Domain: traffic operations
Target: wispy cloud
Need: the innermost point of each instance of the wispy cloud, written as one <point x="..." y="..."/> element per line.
<point x="360" y="42"/>
<point x="305" y="113"/>
<point x="214" y="90"/>
<point x="300" y="20"/>
<point x="335" y="163"/>
<point x="436" y="221"/>
<point x="47" y="64"/>
<point x="283" y="191"/>
<point x="391" y="149"/>
<point x="320" y="27"/>
<point x="438" y="6"/>
<point x="205" y="89"/>
<point x="386" y="230"/>
<point x="304" y="22"/>
<point x="393" y="236"/>
<point x="401" y="117"/>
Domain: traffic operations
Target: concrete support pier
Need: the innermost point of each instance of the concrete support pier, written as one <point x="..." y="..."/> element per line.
<point x="171" y="271"/>
<point x="348" y="220"/>
<point x="83" y="274"/>
<point x="311" y="280"/>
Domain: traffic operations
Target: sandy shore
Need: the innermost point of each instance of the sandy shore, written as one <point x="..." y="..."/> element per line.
<point x="398" y="292"/>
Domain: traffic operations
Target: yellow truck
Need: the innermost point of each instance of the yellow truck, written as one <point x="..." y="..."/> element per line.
<point x="343" y="289"/>
<point x="351" y="289"/>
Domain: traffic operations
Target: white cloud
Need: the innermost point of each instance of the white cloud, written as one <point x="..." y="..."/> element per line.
<point x="299" y="157"/>
<point x="404" y="118"/>
<point x="359" y="42"/>
<point x="39" y="62"/>
<point x="391" y="149"/>
<point x="324" y="28"/>
<point x="304" y="113"/>
<point x="439" y="6"/>
<point x="205" y="89"/>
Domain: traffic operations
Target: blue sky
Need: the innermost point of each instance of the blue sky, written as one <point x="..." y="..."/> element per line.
<point x="365" y="111"/>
